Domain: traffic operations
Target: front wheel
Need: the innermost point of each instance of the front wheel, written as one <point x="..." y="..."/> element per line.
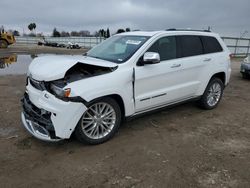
<point x="99" y="122"/>
<point x="212" y="95"/>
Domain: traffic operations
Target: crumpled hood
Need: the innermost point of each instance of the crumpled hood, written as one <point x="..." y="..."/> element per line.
<point x="54" y="67"/>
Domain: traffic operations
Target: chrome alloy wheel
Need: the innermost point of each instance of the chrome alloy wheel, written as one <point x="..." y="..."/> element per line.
<point x="99" y="120"/>
<point x="214" y="94"/>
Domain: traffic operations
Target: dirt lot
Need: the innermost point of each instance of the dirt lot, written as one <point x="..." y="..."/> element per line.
<point x="34" y="49"/>
<point x="179" y="147"/>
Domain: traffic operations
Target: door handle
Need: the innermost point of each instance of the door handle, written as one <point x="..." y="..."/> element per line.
<point x="207" y="59"/>
<point x="175" y="65"/>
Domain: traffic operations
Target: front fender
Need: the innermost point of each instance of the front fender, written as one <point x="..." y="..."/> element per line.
<point x="118" y="82"/>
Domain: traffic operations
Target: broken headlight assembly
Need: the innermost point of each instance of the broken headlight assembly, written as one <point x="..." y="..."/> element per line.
<point x="60" y="92"/>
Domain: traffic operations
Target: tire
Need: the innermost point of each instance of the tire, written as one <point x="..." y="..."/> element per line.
<point x="3" y="44"/>
<point x="100" y="121"/>
<point x="245" y="76"/>
<point x="212" y="95"/>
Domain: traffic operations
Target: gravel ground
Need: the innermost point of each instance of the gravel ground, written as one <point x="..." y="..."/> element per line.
<point x="35" y="49"/>
<point x="179" y="147"/>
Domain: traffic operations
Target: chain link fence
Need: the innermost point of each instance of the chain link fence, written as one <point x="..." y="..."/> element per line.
<point x="237" y="46"/>
<point x="87" y="42"/>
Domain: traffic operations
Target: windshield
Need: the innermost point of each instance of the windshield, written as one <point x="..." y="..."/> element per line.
<point x="117" y="49"/>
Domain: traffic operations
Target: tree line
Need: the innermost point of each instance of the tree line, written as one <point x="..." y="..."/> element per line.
<point x="105" y="33"/>
<point x="101" y="33"/>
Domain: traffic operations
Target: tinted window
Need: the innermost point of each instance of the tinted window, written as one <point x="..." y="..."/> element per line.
<point x="190" y="45"/>
<point x="211" y="45"/>
<point x="166" y="47"/>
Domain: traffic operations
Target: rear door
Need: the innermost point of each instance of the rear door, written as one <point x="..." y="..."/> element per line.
<point x="214" y="58"/>
<point x="193" y="63"/>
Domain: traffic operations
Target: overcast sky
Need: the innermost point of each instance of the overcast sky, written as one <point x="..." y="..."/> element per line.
<point x="226" y="17"/>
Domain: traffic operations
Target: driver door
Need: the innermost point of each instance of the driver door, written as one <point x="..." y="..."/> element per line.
<point x="156" y="84"/>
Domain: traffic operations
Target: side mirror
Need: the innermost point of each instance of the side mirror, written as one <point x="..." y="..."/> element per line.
<point x="151" y="58"/>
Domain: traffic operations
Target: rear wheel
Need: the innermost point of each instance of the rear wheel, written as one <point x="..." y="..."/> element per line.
<point x="3" y="44"/>
<point x="212" y="95"/>
<point x="99" y="122"/>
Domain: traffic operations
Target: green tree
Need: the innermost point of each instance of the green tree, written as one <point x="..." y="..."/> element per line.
<point x="108" y="33"/>
<point x="65" y="34"/>
<point x="56" y="33"/>
<point x="32" y="26"/>
<point x="128" y="29"/>
<point x="74" y="34"/>
<point x="102" y="33"/>
<point x="120" y="31"/>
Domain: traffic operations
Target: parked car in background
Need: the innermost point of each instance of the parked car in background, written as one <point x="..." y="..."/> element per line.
<point x="245" y="67"/>
<point x="73" y="45"/>
<point x="61" y="45"/>
<point x="43" y="42"/>
<point x="126" y="75"/>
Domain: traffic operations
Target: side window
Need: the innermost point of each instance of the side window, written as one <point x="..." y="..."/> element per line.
<point x="211" y="45"/>
<point x="190" y="45"/>
<point x="166" y="47"/>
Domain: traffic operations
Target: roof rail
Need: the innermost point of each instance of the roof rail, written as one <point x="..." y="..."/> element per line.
<point x="173" y="29"/>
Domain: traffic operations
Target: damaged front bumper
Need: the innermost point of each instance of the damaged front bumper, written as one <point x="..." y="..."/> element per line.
<point x="47" y="117"/>
<point x="36" y="122"/>
<point x="37" y="130"/>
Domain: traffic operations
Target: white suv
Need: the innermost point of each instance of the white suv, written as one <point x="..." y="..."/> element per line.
<point x="126" y="75"/>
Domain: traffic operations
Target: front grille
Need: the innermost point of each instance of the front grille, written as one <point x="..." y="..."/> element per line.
<point x="31" y="112"/>
<point x="37" y="84"/>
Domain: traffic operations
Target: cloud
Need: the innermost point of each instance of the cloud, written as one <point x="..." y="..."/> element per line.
<point x="228" y="17"/>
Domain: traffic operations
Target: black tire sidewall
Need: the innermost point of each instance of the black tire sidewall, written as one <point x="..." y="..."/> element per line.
<point x="82" y="137"/>
<point x="203" y="100"/>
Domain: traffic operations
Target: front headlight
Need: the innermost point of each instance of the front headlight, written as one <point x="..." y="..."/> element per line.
<point x="60" y="92"/>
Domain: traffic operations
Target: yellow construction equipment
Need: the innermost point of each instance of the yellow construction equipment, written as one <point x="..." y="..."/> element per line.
<point x="7" y="60"/>
<point x="6" y="39"/>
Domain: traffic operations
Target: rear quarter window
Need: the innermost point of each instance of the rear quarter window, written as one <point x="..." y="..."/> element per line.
<point x="211" y="45"/>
